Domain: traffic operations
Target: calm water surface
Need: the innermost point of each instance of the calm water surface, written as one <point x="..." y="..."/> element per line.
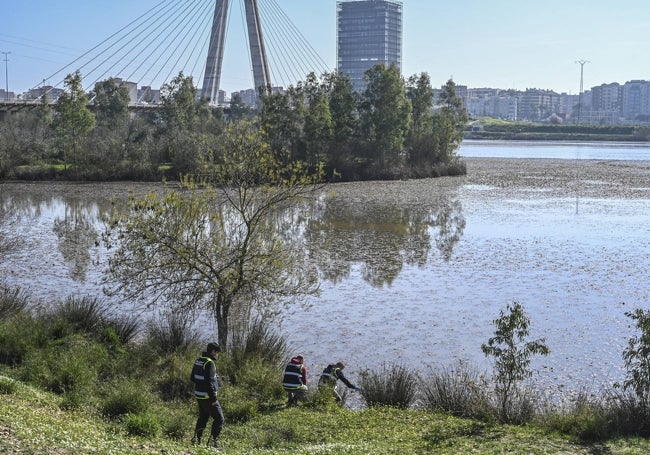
<point x="415" y="272"/>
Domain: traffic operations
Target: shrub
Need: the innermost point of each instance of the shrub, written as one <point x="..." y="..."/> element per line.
<point x="176" y="424"/>
<point x="18" y="336"/>
<point x="237" y="406"/>
<point x="125" y="328"/>
<point x="628" y="415"/>
<point x="126" y="396"/>
<point x="459" y="391"/>
<point x="637" y="359"/>
<point x="586" y="418"/>
<point x="86" y="314"/>
<point x="7" y="386"/>
<point x="12" y="301"/>
<point x="141" y="425"/>
<point x="259" y="378"/>
<point x="172" y="382"/>
<point x="512" y="355"/>
<point x="170" y="334"/>
<point x="394" y="385"/>
<point x="68" y="366"/>
<point x="259" y="341"/>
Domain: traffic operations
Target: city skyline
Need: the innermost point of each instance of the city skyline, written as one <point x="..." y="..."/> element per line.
<point x="505" y="44"/>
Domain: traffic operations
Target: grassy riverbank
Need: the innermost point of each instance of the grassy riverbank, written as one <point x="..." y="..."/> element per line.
<point x="31" y="421"/>
<point x="495" y="129"/>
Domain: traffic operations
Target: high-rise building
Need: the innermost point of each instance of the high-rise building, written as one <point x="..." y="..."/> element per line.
<point x="369" y="32"/>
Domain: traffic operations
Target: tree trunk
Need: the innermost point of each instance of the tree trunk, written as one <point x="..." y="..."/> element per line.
<point x="222" y="308"/>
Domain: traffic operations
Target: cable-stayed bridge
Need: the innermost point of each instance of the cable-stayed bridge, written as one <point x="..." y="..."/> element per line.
<point x="190" y="36"/>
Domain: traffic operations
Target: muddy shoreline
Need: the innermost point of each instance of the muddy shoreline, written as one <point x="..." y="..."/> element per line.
<point x="591" y="178"/>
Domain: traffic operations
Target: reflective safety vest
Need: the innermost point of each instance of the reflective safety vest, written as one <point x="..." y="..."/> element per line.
<point x="329" y="376"/>
<point x="202" y="383"/>
<point x="292" y="376"/>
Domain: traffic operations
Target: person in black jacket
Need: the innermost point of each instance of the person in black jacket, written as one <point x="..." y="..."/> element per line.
<point x="294" y="380"/>
<point x="329" y="377"/>
<point x="206" y="384"/>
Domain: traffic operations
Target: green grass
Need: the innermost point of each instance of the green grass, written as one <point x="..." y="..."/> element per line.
<point x="31" y="421"/>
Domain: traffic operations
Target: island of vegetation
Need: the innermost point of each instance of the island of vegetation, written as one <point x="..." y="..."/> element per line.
<point x="388" y="131"/>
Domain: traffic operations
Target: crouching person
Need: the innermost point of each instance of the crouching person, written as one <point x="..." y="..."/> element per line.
<point x="295" y="380"/>
<point x="330" y="377"/>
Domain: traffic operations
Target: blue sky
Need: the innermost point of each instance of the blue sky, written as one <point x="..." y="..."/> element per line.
<point x="501" y="44"/>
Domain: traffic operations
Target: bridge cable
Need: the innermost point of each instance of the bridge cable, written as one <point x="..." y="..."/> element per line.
<point x="132" y="74"/>
<point x="141" y="32"/>
<point x="167" y="37"/>
<point x="106" y="40"/>
<point x="187" y="45"/>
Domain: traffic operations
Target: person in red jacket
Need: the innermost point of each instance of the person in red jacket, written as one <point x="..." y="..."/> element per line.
<point x="295" y="380"/>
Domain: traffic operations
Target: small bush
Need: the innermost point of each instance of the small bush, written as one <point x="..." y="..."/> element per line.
<point x="172" y="382"/>
<point x="176" y="425"/>
<point x="73" y="400"/>
<point x="628" y="415"/>
<point x="126" y="397"/>
<point x="7" y="386"/>
<point x="586" y="418"/>
<point x="171" y="334"/>
<point x="259" y="378"/>
<point x="394" y="386"/>
<point x="12" y="301"/>
<point x="460" y="392"/>
<point x="18" y="336"/>
<point x="237" y="406"/>
<point x="259" y="342"/>
<point x="86" y="314"/>
<point x="125" y="328"/>
<point x="141" y="425"/>
<point x="520" y="408"/>
<point x="67" y="366"/>
<point x="512" y="352"/>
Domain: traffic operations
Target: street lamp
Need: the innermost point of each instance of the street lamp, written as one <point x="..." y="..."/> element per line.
<point x="6" y="74"/>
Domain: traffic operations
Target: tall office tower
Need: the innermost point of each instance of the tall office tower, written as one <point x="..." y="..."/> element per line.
<point x="369" y="32"/>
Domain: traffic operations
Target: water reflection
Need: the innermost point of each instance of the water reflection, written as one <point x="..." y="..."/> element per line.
<point x="77" y="236"/>
<point x="382" y="233"/>
<point x="55" y="226"/>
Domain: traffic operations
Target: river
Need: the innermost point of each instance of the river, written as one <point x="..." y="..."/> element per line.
<point x="414" y="272"/>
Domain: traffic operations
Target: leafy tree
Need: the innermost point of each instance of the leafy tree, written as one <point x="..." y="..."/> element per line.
<point x="343" y="103"/>
<point x="318" y="121"/>
<point x="511" y="352"/>
<point x="240" y="110"/>
<point x="385" y="114"/>
<point x="282" y="120"/>
<point x="224" y="249"/>
<point x="449" y="122"/>
<point x="111" y="104"/>
<point x="180" y="108"/>
<point x="73" y="119"/>
<point x="184" y="115"/>
<point x="421" y="143"/>
<point x="637" y="358"/>
<point x="344" y="108"/>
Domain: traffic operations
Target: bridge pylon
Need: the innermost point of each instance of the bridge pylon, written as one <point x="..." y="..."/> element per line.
<point x="214" y="62"/>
